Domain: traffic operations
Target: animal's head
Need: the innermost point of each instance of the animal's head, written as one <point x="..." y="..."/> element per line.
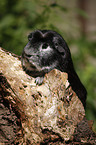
<point x="45" y="51"/>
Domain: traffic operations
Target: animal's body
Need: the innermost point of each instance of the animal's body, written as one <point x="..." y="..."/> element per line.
<point x="47" y="50"/>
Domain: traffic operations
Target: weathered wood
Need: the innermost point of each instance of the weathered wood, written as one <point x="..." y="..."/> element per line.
<point x="32" y="114"/>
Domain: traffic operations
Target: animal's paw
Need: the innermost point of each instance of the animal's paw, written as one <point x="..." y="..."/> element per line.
<point x="39" y="80"/>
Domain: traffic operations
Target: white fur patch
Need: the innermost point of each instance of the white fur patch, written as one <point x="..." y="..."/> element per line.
<point x="50" y="67"/>
<point x="48" y="49"/>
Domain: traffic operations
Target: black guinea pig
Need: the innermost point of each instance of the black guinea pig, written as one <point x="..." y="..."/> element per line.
<point x="47" y="50"/>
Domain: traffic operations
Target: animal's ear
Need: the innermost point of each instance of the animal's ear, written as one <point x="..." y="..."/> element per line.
<point x="59" y="46"/>
<point x="61" y="50"/>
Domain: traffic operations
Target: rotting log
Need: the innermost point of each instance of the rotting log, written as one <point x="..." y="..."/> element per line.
<point x="47" y="114"/>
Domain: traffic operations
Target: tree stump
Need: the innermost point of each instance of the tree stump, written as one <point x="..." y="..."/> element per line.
<point x="47" y="114"/>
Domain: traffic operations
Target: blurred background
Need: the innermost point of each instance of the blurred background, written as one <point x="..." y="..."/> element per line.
<point x="75" y="20"/>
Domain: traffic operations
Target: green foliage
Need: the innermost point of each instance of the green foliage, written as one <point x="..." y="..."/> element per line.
<point x="19" y="17"/>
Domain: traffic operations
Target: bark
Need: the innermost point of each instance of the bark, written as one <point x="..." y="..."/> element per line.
<point x="47" y="114"/>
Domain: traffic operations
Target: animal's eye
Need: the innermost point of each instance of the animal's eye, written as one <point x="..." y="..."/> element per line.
<point x="44" y="46"/>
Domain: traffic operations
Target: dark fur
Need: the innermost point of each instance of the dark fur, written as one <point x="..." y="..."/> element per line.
<point x="47" y="50"/>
